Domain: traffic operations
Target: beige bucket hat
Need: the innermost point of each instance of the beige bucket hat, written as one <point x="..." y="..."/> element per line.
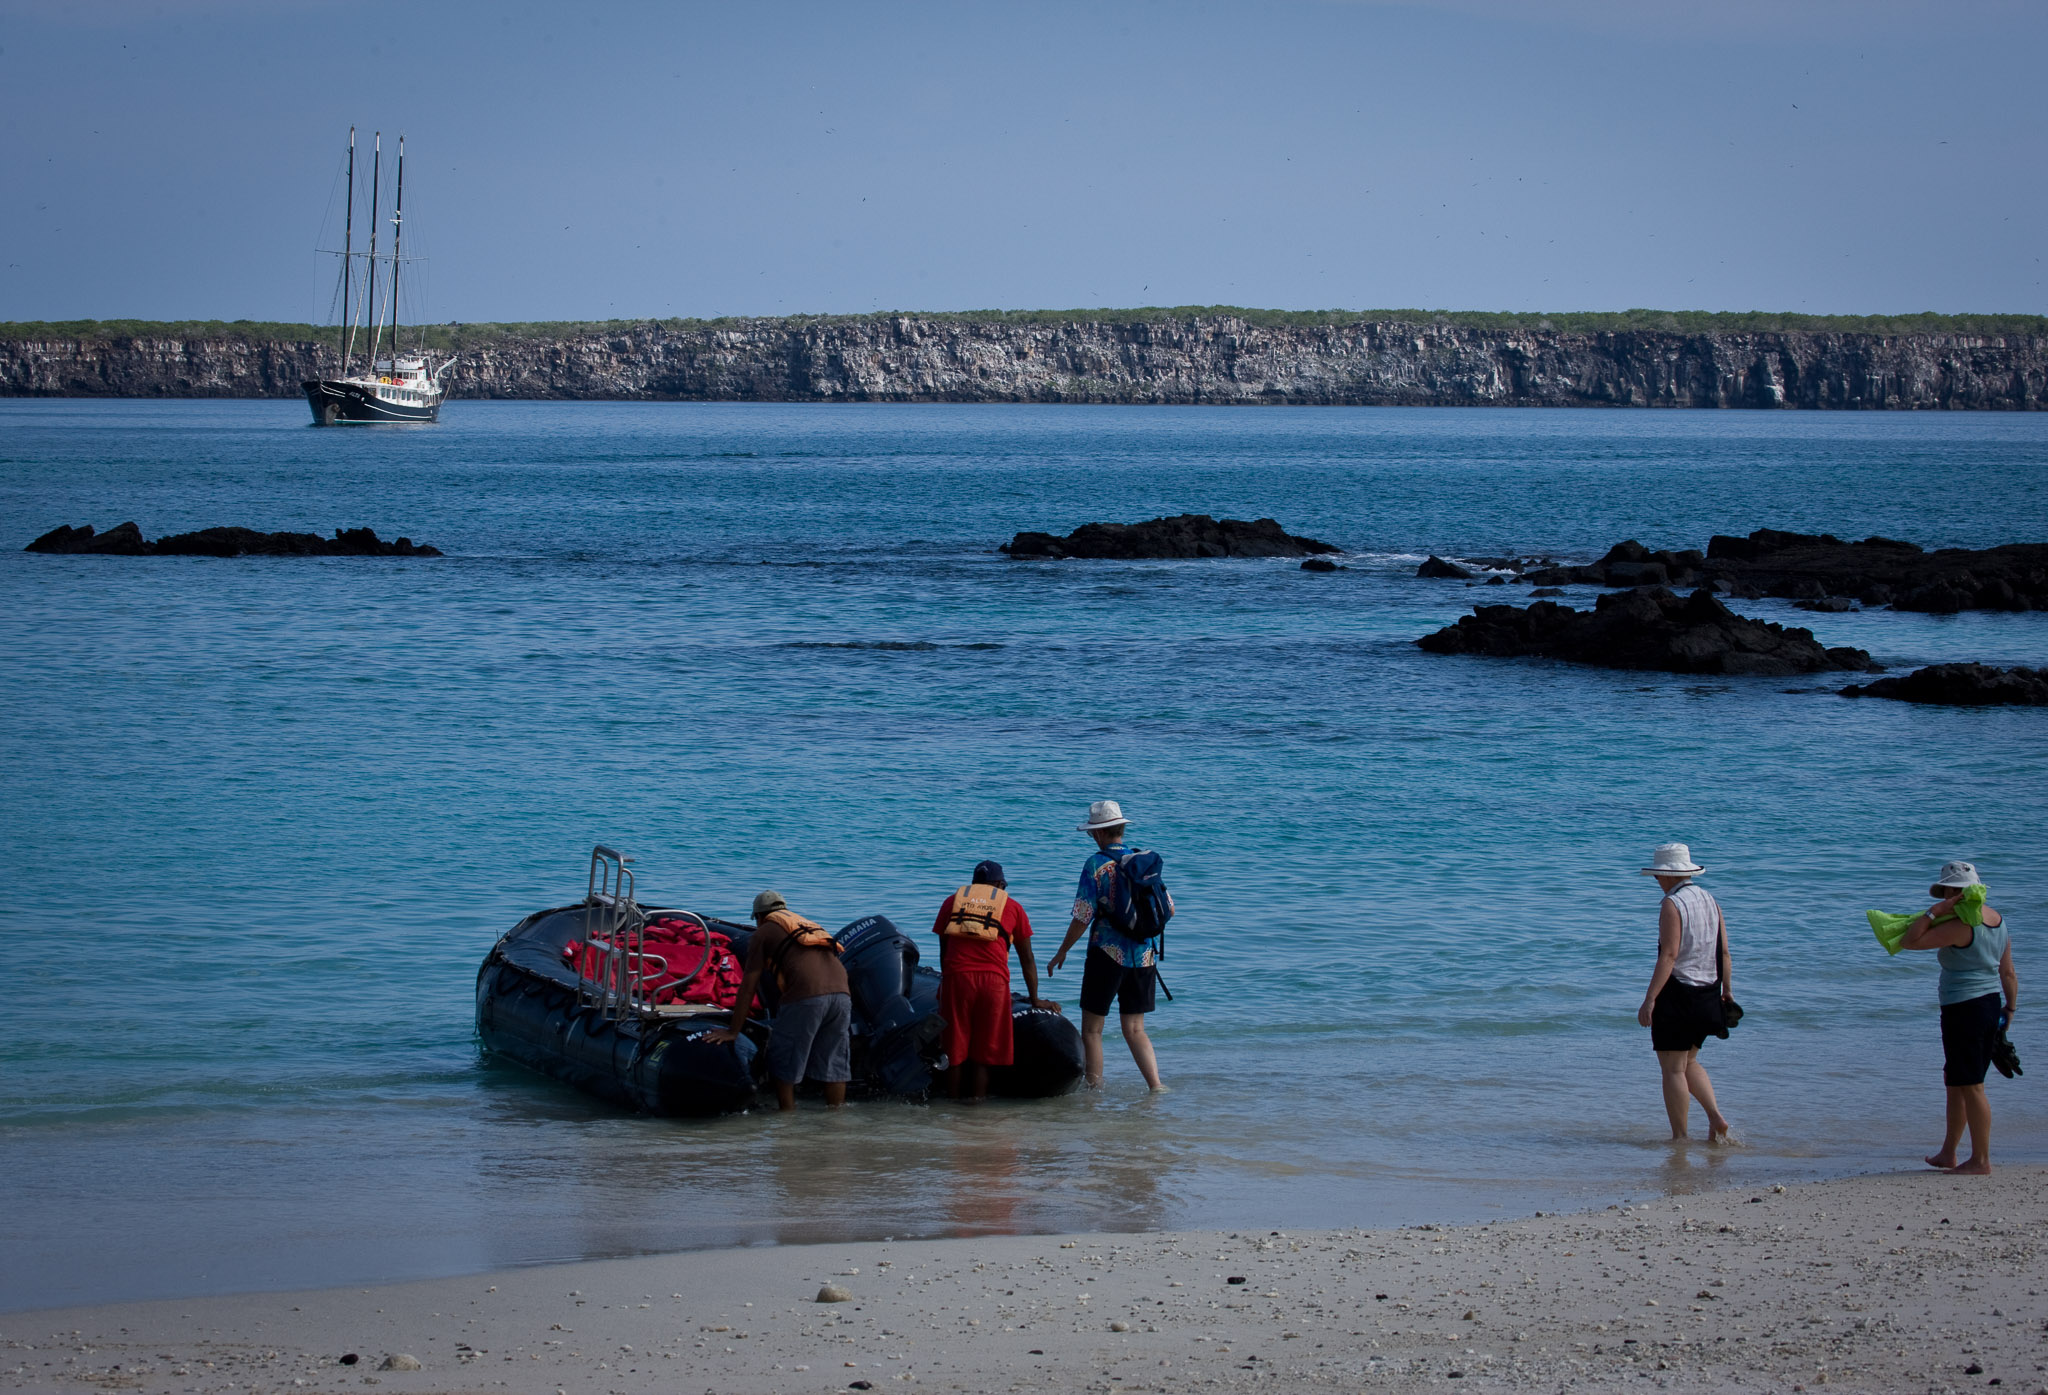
<point x="1103" y="813"/>
<point x="1672" y="860"/>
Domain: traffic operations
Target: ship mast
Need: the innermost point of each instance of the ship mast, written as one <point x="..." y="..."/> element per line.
<point x="370" y="297"/>
<point x="348" y="231"/>
<point x="397" y="231"/>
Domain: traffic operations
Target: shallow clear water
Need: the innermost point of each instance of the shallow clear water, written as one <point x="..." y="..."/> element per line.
<point x="260" y="819"/>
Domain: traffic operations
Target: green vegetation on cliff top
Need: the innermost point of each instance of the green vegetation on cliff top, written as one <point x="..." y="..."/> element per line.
<point x="455" y="337"/>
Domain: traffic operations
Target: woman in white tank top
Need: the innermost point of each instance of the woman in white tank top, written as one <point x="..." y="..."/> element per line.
<point x="1689" y="989"/>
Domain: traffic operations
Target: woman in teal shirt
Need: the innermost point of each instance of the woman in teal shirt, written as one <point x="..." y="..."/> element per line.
<point x="1976" y="961"/>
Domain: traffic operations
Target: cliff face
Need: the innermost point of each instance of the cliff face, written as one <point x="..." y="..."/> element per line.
<point x="1204" y="359"/>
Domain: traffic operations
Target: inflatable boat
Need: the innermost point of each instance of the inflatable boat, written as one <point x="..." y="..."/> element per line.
<point x="618" y="999"/>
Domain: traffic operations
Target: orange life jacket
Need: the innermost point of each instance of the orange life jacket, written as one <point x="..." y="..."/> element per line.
<point x="798" y="934"/>
<point x="977" y="913"/>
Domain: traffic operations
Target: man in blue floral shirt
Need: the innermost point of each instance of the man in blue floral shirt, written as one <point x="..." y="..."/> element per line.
<point x="1118" y="969"/>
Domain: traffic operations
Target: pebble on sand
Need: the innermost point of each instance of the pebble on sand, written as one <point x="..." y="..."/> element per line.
<point x="399" y="1361"/>
<point x="833" y="1293"/>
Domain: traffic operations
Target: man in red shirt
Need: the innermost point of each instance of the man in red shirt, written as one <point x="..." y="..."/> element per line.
<point x="976" y="927"/>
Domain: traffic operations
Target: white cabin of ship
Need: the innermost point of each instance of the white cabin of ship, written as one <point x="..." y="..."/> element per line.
<point x="403" y="380"/>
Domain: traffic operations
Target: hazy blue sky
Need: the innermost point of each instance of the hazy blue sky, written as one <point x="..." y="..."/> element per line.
<point x="580" y="160"/>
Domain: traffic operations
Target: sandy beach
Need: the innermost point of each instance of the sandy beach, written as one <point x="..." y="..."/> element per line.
<point x="1888" y="1282"/>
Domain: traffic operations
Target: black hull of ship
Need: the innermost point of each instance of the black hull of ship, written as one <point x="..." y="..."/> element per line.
<point x="339" y="404"/>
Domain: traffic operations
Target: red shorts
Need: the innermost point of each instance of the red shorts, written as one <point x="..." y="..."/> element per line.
<point x="976" y="1007"/>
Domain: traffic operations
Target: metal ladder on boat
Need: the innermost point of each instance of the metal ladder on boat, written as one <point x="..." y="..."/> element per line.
<point x="612" y="977"/>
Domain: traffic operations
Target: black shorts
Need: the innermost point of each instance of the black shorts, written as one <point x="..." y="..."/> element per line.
<point x="1103" y="980"/>
<point x="1969" y="1029"/>
<point x="1685" y="1015"/>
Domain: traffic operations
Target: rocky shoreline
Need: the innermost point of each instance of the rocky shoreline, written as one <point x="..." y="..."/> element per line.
<point x="1117" y="357"/>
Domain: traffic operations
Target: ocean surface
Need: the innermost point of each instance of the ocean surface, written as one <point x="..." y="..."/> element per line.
<point x="260" y="819"/>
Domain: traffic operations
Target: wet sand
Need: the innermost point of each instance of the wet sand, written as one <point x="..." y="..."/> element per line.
<point x="1907" y="1281"/>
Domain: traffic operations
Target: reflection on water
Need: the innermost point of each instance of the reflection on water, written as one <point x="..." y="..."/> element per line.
<point x="1694" y="1167"/>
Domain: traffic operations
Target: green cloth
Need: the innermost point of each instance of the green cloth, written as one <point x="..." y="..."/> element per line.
<point x="1891" y="929"/>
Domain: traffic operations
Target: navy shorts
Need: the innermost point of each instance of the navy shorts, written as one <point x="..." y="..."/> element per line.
<point x="1104" y="981"/>
<point x="1969" y="1030"/>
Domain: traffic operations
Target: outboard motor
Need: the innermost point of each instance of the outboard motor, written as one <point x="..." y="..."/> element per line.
<point x="881" y="971"/>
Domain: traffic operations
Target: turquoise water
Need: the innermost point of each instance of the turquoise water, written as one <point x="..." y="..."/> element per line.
<point x="263" y="817"/>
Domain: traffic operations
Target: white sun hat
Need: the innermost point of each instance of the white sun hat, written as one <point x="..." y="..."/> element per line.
<point x="1958" y="874"/>
<point x="1103" y="813"/>
<point x="1672" y="860"/>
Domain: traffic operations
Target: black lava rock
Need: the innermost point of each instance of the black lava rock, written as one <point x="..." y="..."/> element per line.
<point x="122" y="540"/>
<point x="1962" y="685"/>
<point x="1182" y="536"/>
<point x="1645" y="628"/>
<point x="126" y="540"/>
<point x="1437" y="567"/>
<point x="1822" y="572"/>
<point x="1629" y="564"/>
<point x="1882" y="571"/>
<point x="1319" y="564"/>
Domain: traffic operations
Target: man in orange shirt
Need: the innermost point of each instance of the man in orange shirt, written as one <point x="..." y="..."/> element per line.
<point x="976" y="927"/>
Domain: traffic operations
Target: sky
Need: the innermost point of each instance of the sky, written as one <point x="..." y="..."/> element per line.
<point x="597" y="160"/>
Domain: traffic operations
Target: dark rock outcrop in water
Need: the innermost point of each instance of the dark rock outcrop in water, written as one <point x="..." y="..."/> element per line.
<point x="1183" y="535"/>
<point x="1627" y="564"/>
<point x="1962" y="685"/>
<point x="126" y="540"/>
<point x="1647" y="628"/>
<point x="1882" y="571"/>
<point x="1822" y="572"/>
<point x="1199" y="357"/>
<point x="1436" y="567"/>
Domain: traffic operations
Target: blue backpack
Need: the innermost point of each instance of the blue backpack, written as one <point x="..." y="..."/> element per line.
<point x="1135" y="901"/>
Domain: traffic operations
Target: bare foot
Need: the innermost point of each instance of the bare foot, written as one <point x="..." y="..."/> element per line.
<point x="1943" y="1160"/>
<point x="1975" y="1167"/>
<point x="1718" y="1133"/>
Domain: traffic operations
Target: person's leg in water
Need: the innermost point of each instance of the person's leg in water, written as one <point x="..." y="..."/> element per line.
<point x="1952" y="1137"/>
<point x="1141" y="1049"/>
<point x="785" y="1095"/>
<point x="1092" y="1024"/>
<point x="1703" y="1090"/>
<point x="1969" y="1106"/>
<point x="1675" y="1066"/>
<point x="976" y="1077"/>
